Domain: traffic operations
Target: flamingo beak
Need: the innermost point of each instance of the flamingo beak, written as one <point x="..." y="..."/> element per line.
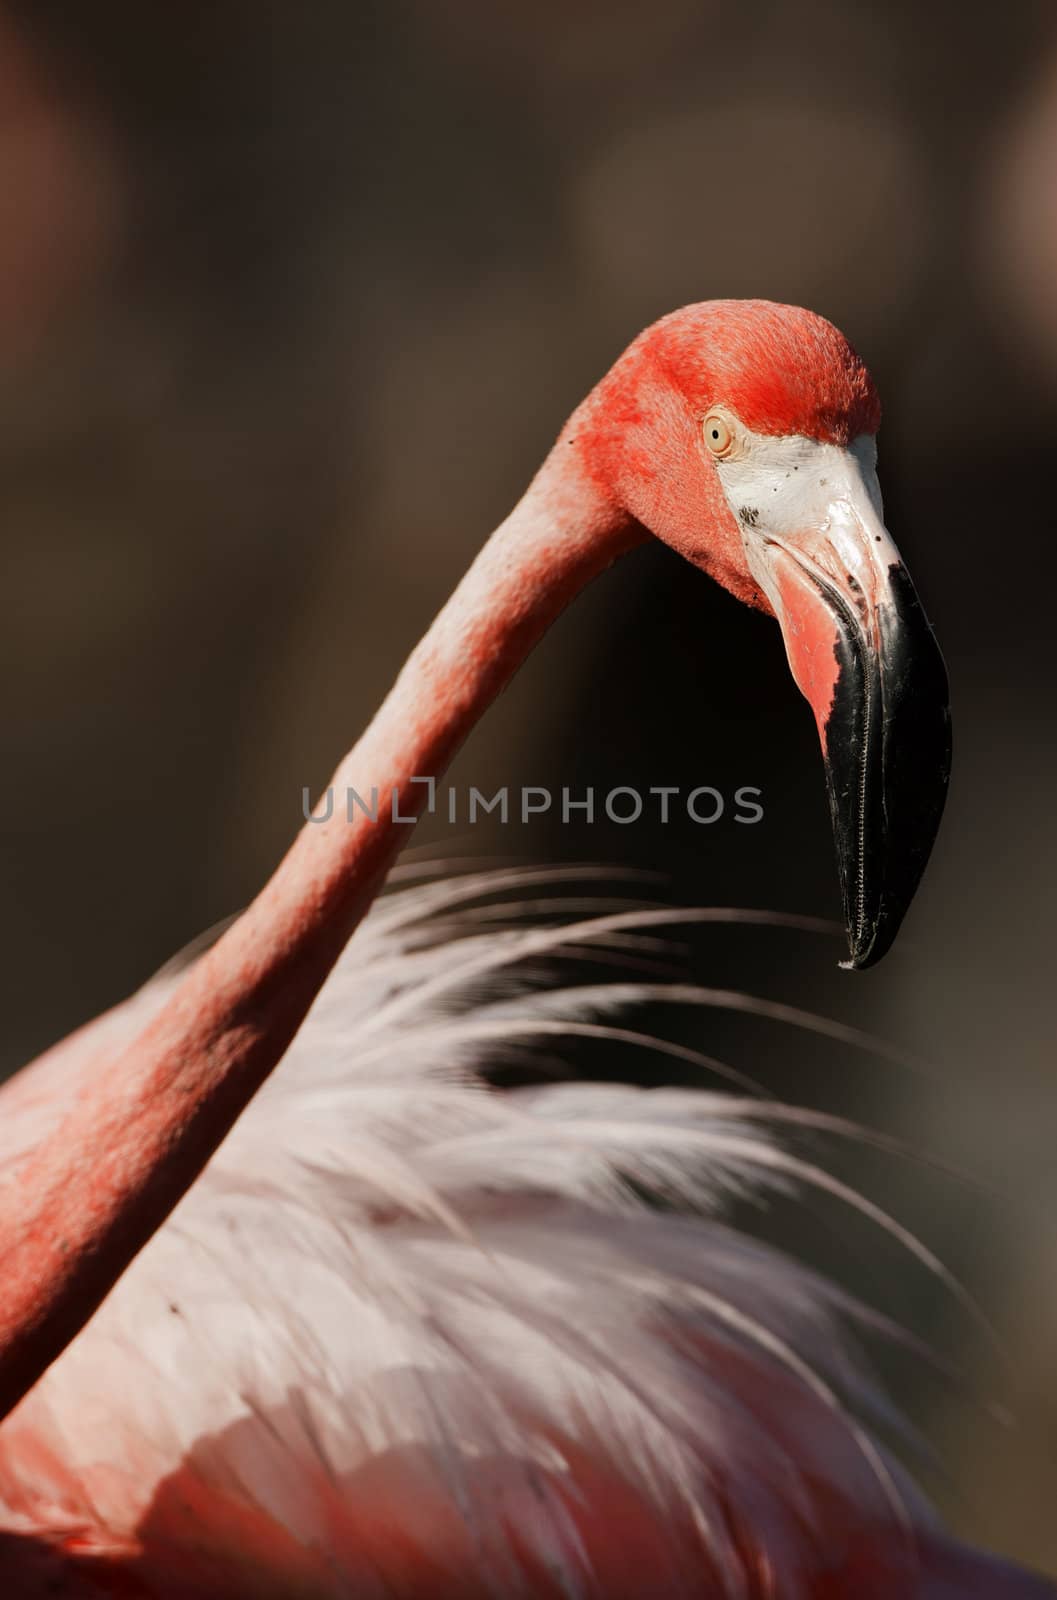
<point x="865" y="657"/>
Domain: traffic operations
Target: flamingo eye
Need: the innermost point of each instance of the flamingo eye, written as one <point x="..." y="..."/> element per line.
<point x="719" y="435"/>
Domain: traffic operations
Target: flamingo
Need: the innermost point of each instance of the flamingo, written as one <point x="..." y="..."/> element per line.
<point x="362" y="1325"/>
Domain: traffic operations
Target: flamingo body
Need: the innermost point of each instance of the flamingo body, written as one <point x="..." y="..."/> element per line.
<point x="411" y="1336"/>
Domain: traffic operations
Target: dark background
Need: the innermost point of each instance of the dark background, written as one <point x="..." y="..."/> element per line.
<point x="292" y="302"/>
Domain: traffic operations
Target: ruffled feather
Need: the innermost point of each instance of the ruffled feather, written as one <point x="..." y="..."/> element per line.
<point x="412" y="1335"/>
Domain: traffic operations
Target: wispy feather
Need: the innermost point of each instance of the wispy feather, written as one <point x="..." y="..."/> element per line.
<point x="405" y="1321"/>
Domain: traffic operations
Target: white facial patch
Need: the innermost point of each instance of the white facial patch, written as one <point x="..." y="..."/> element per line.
<point x="823" y="500"/>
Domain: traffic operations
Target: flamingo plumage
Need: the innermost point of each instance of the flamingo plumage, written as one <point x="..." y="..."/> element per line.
<point x="364" y="1326"/>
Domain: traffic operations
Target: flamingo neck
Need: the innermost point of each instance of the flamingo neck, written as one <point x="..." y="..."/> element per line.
<point x="561" y="535"/>
<point x="103" y="1181"/>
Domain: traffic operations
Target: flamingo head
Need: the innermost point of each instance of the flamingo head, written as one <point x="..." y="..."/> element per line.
<point x="741" y="433"/>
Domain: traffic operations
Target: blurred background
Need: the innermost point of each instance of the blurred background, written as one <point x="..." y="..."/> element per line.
<point x="293" y="301"/>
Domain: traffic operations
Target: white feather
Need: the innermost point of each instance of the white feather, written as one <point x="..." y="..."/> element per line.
<point x="403" y="1317"/>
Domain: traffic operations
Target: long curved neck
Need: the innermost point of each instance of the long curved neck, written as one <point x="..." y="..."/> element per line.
<point x="90" y="1196"/>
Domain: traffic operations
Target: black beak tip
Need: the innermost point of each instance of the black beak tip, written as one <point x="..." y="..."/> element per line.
<point x="868" y="947"/>
<point x="858" y="961"/>
<point x="888" y="764"/>
<point x="888" y="866"/>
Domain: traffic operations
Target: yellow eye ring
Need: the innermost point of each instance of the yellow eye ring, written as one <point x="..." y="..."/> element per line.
<point x="718" y="433"/>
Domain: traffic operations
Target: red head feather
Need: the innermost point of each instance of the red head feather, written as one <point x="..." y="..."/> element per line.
<point x="781" y="369"/>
